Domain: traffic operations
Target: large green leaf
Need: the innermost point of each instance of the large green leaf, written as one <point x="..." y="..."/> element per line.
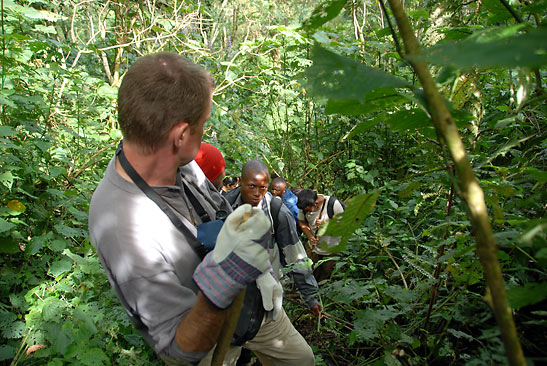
<point x="343" y="225"/>
<point x="5" y="225"/>
<point x="323" y="13"/>
<point x="490" y="49"/>
<point x="341" y="78"/>
<point x="59" y="267"/>
<point x="6" y="352"/>
<point x="376" y="100"/>
<point x="529" y="294"/>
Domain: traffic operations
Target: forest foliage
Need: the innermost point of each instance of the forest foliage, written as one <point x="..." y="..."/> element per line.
<point x="319" y="91"/>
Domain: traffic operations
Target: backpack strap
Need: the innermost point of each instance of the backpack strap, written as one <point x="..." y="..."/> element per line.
<point x="330" y="206"/>
<point x="194" y="243"/>
<point x="231" y="196"/>
<point x="275" y="206"/>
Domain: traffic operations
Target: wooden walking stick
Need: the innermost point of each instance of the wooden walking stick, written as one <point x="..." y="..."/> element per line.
<point x="228" y="329"/>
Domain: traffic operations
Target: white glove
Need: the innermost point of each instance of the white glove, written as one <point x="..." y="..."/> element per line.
<point x="272" y="293"/>
<point x="239" y="257"/>
<point x="242" y="230"/>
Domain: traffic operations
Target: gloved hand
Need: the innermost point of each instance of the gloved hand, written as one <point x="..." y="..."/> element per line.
<point x="239" y="257"/>
<point x="272" y="293"/>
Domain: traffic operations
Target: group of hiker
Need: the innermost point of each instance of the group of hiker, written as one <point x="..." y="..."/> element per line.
<point x="177" y="252"/>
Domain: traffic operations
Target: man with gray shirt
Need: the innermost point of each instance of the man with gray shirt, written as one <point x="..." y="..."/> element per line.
<point x="153" y="203"/>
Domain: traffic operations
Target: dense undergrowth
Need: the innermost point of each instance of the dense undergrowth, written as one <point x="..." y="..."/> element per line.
<point x="408" y="289"/>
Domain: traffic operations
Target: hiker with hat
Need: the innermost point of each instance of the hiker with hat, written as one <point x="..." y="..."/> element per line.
<point x="212" y="163"/>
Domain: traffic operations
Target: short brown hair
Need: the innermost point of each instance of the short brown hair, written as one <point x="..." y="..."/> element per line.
<point x="159" y="91"/>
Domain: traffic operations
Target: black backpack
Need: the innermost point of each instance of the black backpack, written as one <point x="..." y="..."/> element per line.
<point x="330" y="206"/>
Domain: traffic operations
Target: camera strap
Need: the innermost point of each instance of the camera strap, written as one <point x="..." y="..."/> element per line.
<point x="204" y="216"/>
<point x="194" y="243"/>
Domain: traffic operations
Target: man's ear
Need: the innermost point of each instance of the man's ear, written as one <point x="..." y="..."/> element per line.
<point x="179" y="132"/>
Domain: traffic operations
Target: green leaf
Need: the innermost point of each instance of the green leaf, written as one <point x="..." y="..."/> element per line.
<point x="59" y="267"/>
<point x="67" y="231"/>
<point x="376" y="100"/>
<point x="58" y="245"/>
<point x="14" y="330"/>
<point x="529" y="294"/>
<point x="7" y="179"/>
<point x="482" y="51"/>
<point x="5" y="101"/>
<point x="541" y="254"/>
<point x="460" y="334"/>
<point x="390" y="360"/>
<point x="60" y="337"/>
<point x="539" y="175"/>
<point x="45" y="29"/>
<point x="413" y="119"/>
<point x="5" y="226"/>
<point x="8" y="245"/>
<point x="323" y="13"/>
<point x="368" y="323"/>
<point x="343" y="225"/>
<point x="93" y="357"/>
<point x="52" y="309"/>
<point x="37" y="243"/>
<point x="497" y="11"/>
<point x="341" y="78"/>
<point x="350" y="291"/>
<point x="7" y="352"/>
<point x="7" y="130"/>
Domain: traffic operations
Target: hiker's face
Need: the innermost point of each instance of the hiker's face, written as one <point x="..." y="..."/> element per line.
<point x="279" y="189"/>
<point x="313" y="208"/>
<point x="254" y="188"/>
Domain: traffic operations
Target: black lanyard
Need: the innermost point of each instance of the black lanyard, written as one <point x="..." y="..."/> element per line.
<point x="154" y="196"/>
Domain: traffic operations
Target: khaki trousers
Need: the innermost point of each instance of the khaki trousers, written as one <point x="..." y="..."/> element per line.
<point x="276" y="344"/>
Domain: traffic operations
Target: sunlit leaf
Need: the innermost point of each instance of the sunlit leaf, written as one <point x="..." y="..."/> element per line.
<point x="59" y="267"/>
<point x="323" y="13"/>
<point x="343" y="225"/>
<point x="340" y="78"/>
<point x="16" y="206"/>
<point x="6" y="179"/>
<point x="527" y="49"/>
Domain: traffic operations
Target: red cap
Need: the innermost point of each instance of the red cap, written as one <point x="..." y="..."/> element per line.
<point x="210" y="160"/>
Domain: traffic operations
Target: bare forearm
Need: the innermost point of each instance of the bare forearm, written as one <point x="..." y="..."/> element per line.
<point x="306" y="229"/>
<point x="198" y="331"/>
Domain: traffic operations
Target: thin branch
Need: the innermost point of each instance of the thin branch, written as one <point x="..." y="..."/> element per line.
<point x="392" y="29"/>
<point x="512" y="11"/>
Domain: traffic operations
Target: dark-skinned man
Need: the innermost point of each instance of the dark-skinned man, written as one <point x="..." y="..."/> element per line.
<point x="285" y="250"/>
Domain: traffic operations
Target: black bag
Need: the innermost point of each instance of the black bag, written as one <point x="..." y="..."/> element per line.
<point x="330" y="206"/>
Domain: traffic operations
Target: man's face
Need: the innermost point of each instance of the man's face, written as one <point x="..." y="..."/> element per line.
<point x="254" y="187"/>
<point x="313" y="207"/>
<point x="279" y="189"/>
